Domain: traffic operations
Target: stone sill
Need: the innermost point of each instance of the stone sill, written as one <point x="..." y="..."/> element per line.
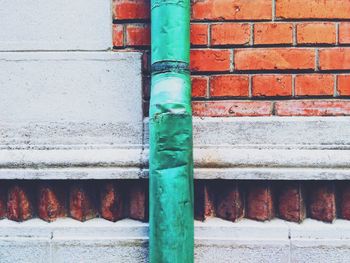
<point x="262" y="148"/>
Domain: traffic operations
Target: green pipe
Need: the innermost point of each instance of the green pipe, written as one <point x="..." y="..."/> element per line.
<point x="170" y="125"/>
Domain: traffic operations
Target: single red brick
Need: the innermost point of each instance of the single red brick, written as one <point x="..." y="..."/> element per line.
<point x="13" y="206"/>
<point x="229" y="108"/>
<point x="229" y="201"/>
<point x="199" y="34"/>
<point x="138" y="35"/>
<point x="138" y="200"/>
<point x="334" y="58"/>
<point x="199" y="86"/>
<point x="19" y="203"/>
<point x="210" y="60"/>
<point x="111" y="201"/>
<point x="314" y="85"/>
<point x="316" y="33"/>
<point x="118" y="35"/>
<point x="260" y="203"/>
<point x="312" y="108"/>
<point x="343" y="88"/>
<point x="229" y="85"/>
<point x="230" y="34"/>
<point x="231" y="10"/>
<point x="131" y="9"/>
<point x="301" y="9"/>
<point x="322" y="204"/>
<point x="52" y="200"/>
<point x="3" y="200"/>
<point x="273" y="33"/>
<point x="204" y="205"/>
<point x="271" y="85"/>
<point x="344" y="33"/>
<point x="344" y="196"/>
<point x="291" y="202"/>
<point x="82" y="201"/>
<point x="274" y="59"/>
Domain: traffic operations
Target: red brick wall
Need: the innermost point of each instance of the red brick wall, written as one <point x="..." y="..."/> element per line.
<point x="257" y="57"/>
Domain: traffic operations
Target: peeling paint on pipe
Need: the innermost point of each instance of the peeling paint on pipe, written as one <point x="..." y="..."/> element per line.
<point x="171" y="160"/>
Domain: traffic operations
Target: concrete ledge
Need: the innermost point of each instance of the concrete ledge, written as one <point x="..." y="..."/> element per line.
<point x="123" y="156"/>
<point x="78" y="173"/>
<point x="67" y="240"/>
<point x="282" y="173"/>
<point x="271" y="148"/>
<point x="276" y="132"/>
<point x="264" y="148"/>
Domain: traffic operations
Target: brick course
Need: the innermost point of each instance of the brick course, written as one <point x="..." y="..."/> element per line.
<point x="231" y="200"/>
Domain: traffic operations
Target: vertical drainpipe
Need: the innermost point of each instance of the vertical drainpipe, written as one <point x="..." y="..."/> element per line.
<point x="171" y="161"/>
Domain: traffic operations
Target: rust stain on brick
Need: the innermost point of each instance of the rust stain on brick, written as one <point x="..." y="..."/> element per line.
<point x="322" y="201"/>
<point x="3" y="200"/>
<point x="111" y="201"/>
<point x="260" y="203"/>
<point x="204" y="205"/>
<point x="81" y="201"/>
<point x="229" y="201"/>
<point x="291" y="202"/>
<point x="138" y="200"/>
<point x="19" y="203"/>
<point x="344" y="197"/>
<point x="52" y="201"/>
